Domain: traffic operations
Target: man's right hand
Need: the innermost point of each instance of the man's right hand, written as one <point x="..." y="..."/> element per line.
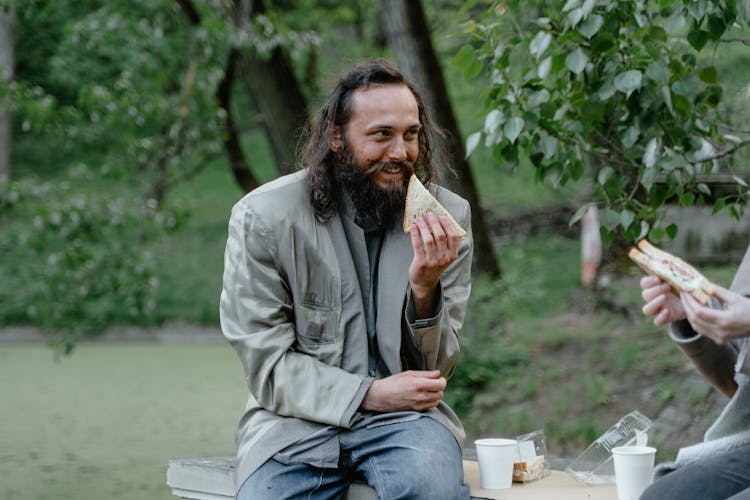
<point x="409" y="390"/>
<point x="660" y="302"/>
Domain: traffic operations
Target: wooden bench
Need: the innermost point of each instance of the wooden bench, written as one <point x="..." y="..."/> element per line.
<point x="213" y="479"/>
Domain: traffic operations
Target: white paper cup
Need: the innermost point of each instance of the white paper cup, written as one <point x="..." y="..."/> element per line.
<point x="633" y="467"/>
<point x="496" y="458"/>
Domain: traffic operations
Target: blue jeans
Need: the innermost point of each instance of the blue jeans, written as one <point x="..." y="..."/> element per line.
<point x="417" y="459"/>
<point x="724" y="477"/>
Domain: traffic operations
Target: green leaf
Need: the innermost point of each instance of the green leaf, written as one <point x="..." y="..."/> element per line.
<point x="644" y="230"/>
<point x="671" y="231"/>
<point x="493" y="119"/>
<point x="716" y="28"/>
<point x="628" y="81"/>
<point x="676" y="24"/>
<point x="469" y="64"/>
<point x="739" y="180"/>
<point x="682" y="106"/>
<point x="735" y="210"/>
<point x="607" y="90"/>
<point x="544" y="68"/>
<point x="713" y="95"/>
<point x="698" y="38"/>
<point x="667" y="96"/>
<point x="571" y="4"/>
<point x="703" y="188"/>
<point x="540" y="43"/>
<point x="649" y="156"/>
<point x="648" y="177"/>
<point x="590" y="26"/>
<point x="538" y="98"/>
<point x="656" y="235"/>
<point x="657" y="33"/>
<point x="626" y="218"/>
<point x="718" y="206"/>
<point x="607" y="236"/>
<point x="604" y="175"/>
<point x="630" y="136"/>
<point x="576" y="61"/>
<point x="575" y="16"/>
<point x="603" y="43"/>
<point x="512" y="128"/>
<point x="685" y="87"/>
<point x="708" y="74"/>
<point x="587" y="7"/>
<point x="472" y="142"/>
<point x="549" y="146"/>
<point x="464" y="57"/>
<point x="687" y="199"/>
<point x="609" y="218"/>
<point x="579" y="214"/>
<point x="658" y="72"/>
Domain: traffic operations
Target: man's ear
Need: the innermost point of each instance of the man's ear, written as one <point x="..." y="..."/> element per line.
<point x="336" y="141"/>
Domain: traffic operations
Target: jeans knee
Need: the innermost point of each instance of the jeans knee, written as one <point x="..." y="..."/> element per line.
<point x="426" y="484"/>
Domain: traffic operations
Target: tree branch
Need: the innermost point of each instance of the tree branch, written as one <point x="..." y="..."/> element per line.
<point x="745" y="41"/>
<point x="190" y="11"/>
<point x="726" y="152"/>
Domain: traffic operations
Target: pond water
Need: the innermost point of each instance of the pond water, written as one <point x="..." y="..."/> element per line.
<point x="104" y="422"/>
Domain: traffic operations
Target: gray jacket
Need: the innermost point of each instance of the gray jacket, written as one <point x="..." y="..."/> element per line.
<point x="292" y="309"/>
<point x="719" y="363"/>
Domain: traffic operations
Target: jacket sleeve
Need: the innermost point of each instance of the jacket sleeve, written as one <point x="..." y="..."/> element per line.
<point x="433" y="344"/>
<point x="257" y="318"/>
<point x="715" y="361"/>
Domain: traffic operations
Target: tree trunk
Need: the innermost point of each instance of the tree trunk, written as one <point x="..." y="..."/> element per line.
<point x="409" y="39"/>
<point x="242" y="172"/>
<point x="274" y="89"/>
<point x="7" y="63"/>
<point x="243" y="175"/>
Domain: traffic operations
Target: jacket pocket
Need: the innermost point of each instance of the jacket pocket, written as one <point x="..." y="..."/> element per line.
<point x="315" y="322"/>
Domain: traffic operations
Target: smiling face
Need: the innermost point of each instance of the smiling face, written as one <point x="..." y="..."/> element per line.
<point x="383" y="133"/>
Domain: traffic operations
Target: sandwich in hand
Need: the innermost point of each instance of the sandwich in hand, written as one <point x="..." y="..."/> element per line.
<point x="419" y="201"/>
<point x="682" y="276"/>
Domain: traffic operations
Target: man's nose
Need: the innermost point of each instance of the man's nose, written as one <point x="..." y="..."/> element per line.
<point x="397" y="151"/>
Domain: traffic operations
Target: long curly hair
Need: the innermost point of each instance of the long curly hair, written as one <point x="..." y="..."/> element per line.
<point x="316" y="154"/>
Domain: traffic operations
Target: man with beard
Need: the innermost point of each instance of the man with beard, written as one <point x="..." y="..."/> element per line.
<point x="347" y="328"/>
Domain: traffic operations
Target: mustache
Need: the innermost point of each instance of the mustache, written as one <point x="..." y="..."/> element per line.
<point x="376" y="167"/>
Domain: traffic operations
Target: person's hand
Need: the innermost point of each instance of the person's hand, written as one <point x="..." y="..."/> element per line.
<point x="435" y="246"/>
<point x="409" y="390"/>
<point x="720" y="325"/>
<point x="660" y="302"/>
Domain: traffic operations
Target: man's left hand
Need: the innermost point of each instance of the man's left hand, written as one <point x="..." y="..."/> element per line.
<point x="435" y="246"/>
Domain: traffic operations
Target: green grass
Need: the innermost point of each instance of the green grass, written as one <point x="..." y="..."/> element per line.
<point x="104" y="422"/>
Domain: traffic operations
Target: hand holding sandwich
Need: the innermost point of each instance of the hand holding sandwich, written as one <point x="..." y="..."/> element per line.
<point x="660" y="302"/>
<point x="435" y="244"/>
<point x="720" y="325"/>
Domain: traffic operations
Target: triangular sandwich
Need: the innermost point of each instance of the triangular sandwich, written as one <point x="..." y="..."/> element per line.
<point x="419" y="201"/>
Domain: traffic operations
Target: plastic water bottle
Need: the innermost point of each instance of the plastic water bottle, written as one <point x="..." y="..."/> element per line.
<point x="594" y="465"/>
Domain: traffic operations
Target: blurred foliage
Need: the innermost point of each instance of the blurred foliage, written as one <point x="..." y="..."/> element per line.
<point x="612" y="92"/>
<point x="89" y="268"/>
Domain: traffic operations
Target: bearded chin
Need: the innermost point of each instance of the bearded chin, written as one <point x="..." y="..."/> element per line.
<point x="375" y="208"/>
